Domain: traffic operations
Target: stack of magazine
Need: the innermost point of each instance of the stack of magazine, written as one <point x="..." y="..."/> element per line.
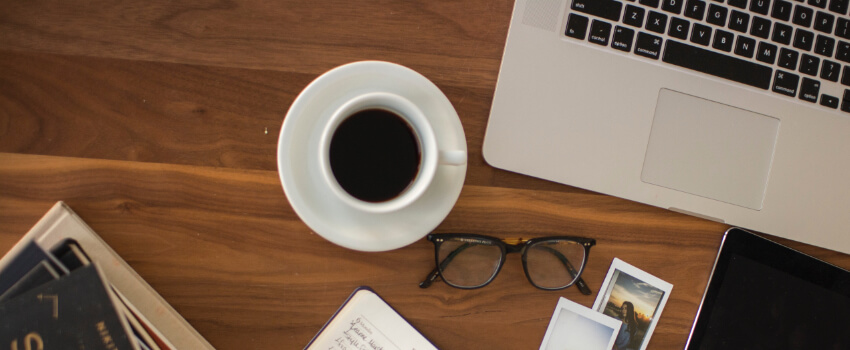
<point x="63" y="287"/>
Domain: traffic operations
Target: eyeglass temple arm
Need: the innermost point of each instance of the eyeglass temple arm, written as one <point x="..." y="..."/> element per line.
<point x="430" y="278"/>
<point x="436" y="272"/>
<point x="580" y="284"/>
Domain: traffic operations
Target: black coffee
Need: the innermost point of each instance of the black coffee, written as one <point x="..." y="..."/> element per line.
<point x="374" y="155"/>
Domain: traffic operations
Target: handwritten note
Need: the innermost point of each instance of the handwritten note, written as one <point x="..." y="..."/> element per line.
<point x="362" y="335"/>
<point x="366" y="322"/>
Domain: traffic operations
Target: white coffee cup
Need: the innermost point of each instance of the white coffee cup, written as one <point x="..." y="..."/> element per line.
<point x="430" y="155"/>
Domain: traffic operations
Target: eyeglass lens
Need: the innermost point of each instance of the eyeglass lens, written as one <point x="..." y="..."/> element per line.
<point x="468" y="264"/>
<point x="554" y="264"/>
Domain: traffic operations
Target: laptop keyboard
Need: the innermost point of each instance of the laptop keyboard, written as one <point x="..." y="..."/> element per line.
<point x="799" y="49"/>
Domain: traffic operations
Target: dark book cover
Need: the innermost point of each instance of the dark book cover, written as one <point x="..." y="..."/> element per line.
<point x="73" y="312"/>
<point x="40" y="274"/>
<point x="23" y="263"/>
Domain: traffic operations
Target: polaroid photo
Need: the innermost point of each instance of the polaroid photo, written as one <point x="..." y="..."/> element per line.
<point x="576" y="327"/>
<point x="635" y="298"/>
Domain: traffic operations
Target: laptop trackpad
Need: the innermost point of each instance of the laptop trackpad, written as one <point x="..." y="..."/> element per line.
<point x="710" y="149"/>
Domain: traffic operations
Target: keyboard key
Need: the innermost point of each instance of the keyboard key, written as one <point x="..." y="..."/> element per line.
<point x="701" y="34"/>
<point x="634" y="16"/>
<point x="622" y="39"/>
<point x="803" y="16"/>
<point x="679" y="28"/>
<point x="767" y="52"/>
<point x="845" y="101"/>
<point x="838" y="6"/>
<point x="723" y="40"/>
<point x="761" y="27"/>
<point x="781" y="10"/>
<point x="824" y="45"/>
<point x="788" y="59"/>
<point x="786" y="83"/>
<point x="829" y="101"/>
<point x="717" y="15"/>
<point x="674" y="6"/>
<point x="716" y="64"/>
<point x="809" y="65"/>
<point x="824" y="22"/>
<point x="842" y="51"/>
<point x="782" y="33"/>
<point x="739" y="21"/>
<point x="695" y="9"/>
<point x="648" y="45"/>
<point x="830" y="70"/>
<point x="760" y="6"/>
<point x="845" y="76"/>
<point x="650" y="3"/>
<point x="803" y="39"/>
<point x="656" y="22"/>
<point x="576" y="26"/>
<point x="745" y="46"/>
<point x="809" y="90"/>
<point x="818" y="3"/>
<point x="607" y="9"/>
<point x="600" y="31"/>
<point x="842" y="28"/>
<point x="741" y="4"/>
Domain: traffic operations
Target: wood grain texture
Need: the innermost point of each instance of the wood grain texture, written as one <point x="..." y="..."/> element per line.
<point x="157" y="122"/>
<point x="223" y="246"/>
<point x="225" y="249"/>
<point x="177" y="113"/>
<point x="452" y="41"/>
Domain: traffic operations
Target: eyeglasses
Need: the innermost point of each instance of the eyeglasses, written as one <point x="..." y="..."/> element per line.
<point x="471" y="261"/>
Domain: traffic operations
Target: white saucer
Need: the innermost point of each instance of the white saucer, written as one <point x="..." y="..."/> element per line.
<point x="298" y="163"/>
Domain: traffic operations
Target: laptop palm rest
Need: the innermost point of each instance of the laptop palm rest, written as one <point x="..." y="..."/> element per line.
<point x="710" y="149"/>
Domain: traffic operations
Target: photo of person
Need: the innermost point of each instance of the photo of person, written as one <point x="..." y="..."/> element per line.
<point x="635" y="298"/>
<point x="628" y="330"/>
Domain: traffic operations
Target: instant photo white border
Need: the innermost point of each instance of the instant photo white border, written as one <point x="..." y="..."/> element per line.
<point x="605" y="293"/>
<point x="583" y="311"/>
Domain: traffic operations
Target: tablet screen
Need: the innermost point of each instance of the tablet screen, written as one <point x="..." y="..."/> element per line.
<point x="763" y="295"/>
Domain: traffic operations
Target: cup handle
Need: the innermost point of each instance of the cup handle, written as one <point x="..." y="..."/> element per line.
<point x="453" y="157"/>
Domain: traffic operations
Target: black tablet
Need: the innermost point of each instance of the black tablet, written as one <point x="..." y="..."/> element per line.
<point x="763" y="295"/>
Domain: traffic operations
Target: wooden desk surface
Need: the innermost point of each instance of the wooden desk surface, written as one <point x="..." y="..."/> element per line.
<point x="157" y="122"/>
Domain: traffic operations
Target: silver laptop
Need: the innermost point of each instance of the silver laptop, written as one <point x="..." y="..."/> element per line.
<point x="735" y="111"/>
